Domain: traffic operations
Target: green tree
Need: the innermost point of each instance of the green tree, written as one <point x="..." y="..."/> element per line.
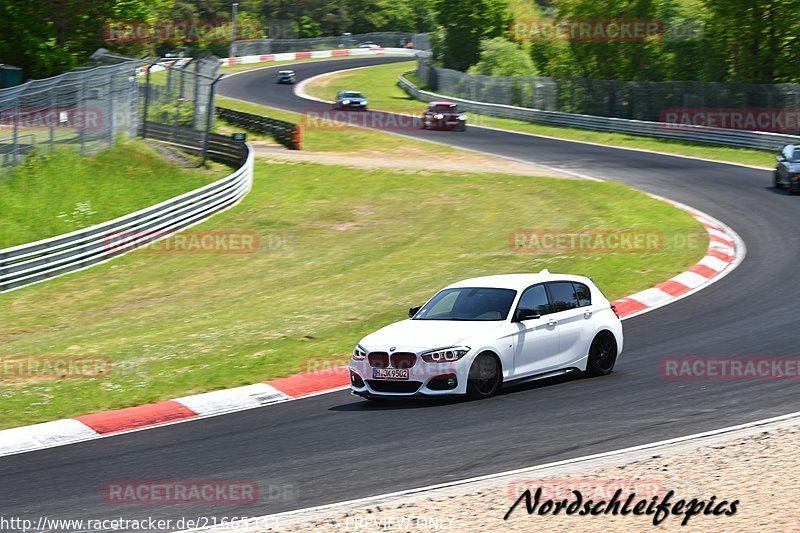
<point x="501" y="57"/>
<point x="380" y="15"/>
<point x="758" y="40"/>
<point x="46" y="37"/>
<point x="465" y="23"/>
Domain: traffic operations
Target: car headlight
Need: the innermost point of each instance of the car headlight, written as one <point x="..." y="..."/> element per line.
<point x="359" y="353"/>
<point x="345" y="102"/>
<point x="462" y="117"/>
<point x="364" y="102"/>
<point x="445" y="355"/>
<point x="438" y="116"/>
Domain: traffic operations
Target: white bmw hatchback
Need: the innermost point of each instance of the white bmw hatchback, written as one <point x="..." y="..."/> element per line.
<point x="478" y="334"/>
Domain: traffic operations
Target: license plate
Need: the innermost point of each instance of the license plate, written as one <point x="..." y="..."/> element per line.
<point x="389" y="373"/>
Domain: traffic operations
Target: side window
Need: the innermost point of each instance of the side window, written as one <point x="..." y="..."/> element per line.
<point x="583" y="293"/>
<point x="535" y="298"/>
<point x="562" y="295"/>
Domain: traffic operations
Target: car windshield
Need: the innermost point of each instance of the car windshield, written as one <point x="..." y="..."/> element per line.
<point x="445" y="109"/>
<point x="285" y="73"/>
<point x="468" y="303"/>
<point x="351" y="94"/>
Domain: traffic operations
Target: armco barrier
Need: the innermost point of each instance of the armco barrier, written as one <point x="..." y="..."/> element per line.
<point x="220" y="147"/>
<point x="280" y="130"/>
<point x="37" y="261"/>
<point x="322" y="54"/>
<point x="755" y="140"/>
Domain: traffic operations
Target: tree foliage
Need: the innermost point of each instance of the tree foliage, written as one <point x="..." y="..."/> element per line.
<point x="501" y="57"/>
<point x="745" y="40"/>
<point x="707" y="40"/>
<point x="464" y="24"/>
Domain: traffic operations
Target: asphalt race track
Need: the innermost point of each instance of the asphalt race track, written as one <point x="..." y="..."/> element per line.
<point x="336" y="447"/>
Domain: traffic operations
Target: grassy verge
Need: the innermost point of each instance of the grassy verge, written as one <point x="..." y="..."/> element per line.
<point x="342" y="252"/>
<point x="380" y="85"/>
<point x="56" y="193"/>
<point x="328" y="138"/>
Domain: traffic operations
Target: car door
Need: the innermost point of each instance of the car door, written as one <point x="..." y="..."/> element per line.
<point x="536" y="347"/>
<point x="574" y="318"/>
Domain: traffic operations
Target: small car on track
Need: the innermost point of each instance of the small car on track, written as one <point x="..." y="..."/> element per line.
<point x="476" y="335"/>
<point x="444" y="115"/>
<point x="787" y="171"/>
<point x="351" y="100"/>
<point x="286" y="76"/>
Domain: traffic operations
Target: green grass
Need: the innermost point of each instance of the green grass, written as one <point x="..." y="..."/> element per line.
<point x="380" y="85"/>
<point x="335" y="138"/>
<point x="344" y="251"/>
<point x="62" y="191"/>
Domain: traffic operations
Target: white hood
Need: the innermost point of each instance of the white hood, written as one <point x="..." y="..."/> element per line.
<point x="426" y="334"/>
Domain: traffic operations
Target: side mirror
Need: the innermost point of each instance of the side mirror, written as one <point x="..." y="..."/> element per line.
<point x="522" y="315"/>
<point x="780" y="158"/>
<point x="413" y="311"/>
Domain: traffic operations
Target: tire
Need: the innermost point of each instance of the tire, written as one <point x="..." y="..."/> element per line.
<point x="776" y="180"/>
<point x="461" y="128"/>
<point x="602" y="355"/>
<point x="485" y="377"/>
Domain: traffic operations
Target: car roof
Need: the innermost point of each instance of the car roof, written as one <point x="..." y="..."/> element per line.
<point x="285" y="72"/>
<point x="442" y="102"/>
<point x="517" y="282"/>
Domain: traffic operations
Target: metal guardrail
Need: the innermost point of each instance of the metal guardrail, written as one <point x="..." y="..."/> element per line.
<point x="280" y="130"/>
<point x="418" y="41"/>
<point x="755" y="140"/>
<point x="41" y="260"/>
<point x="221" y="148"/>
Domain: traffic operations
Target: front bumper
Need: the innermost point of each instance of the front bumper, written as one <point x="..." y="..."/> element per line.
<point x="352" y="105"/>
<point x="424" y="379"/>
<point x="444" y="123"/>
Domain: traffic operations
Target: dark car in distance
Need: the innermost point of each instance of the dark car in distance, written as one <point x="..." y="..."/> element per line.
<point x="444" y="115"/>
<point x="787" y="171"/>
